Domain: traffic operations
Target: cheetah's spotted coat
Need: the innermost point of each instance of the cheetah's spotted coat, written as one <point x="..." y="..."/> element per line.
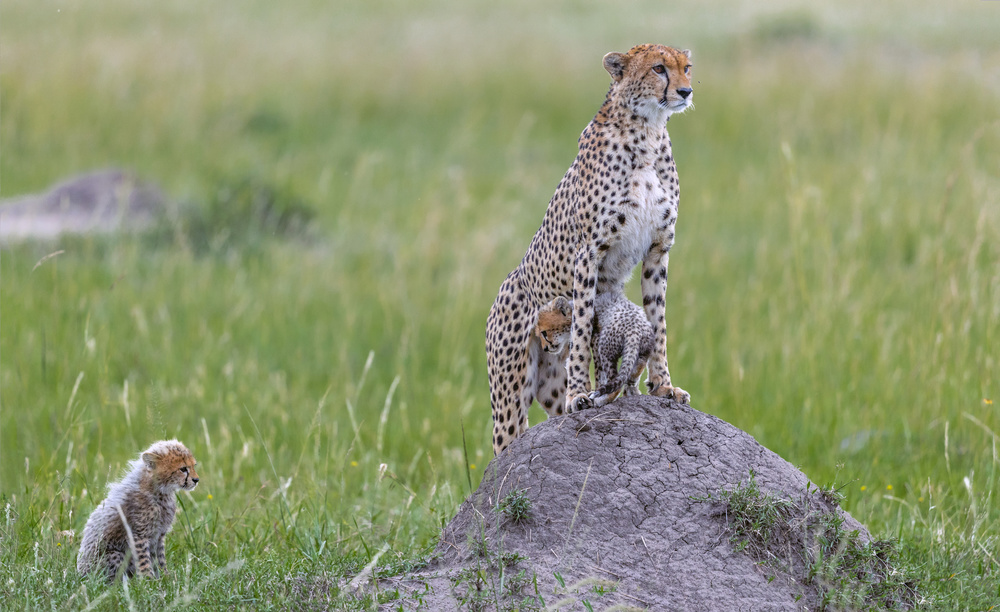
<point x="616" y="206"/>
<point x="621" y="331"/>
<point x="145" y="496"/>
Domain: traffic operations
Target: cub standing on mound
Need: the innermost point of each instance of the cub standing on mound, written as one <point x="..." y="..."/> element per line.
<point x="615" y="207"/>
<point x="145" y="497"/>
<point x="621" y="331"/>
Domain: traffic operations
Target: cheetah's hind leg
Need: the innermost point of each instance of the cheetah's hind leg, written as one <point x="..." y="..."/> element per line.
<point x="632" y="386"/>
<point x="117" y="564"/>
<point x="508" y="329"/>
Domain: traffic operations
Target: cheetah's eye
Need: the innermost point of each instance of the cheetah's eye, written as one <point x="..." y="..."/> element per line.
<point x="545" y="335"/>
<point x="659" y="69"/>
<point x="687" y="69"/>
<point x="184" y="469"/>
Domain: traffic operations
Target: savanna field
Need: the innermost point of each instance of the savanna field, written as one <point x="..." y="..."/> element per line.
<point x="834" y="288"/>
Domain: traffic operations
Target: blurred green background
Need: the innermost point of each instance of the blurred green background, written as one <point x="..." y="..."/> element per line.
<point x="834" y="290"/>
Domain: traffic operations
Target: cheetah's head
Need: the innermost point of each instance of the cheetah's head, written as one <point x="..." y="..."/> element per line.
<point x="652" y="81"/>
<point x="554" y="321"/>
<point x="171" y="465"/>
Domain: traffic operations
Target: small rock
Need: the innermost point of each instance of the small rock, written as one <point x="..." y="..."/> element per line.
<point x="97" y="202"/>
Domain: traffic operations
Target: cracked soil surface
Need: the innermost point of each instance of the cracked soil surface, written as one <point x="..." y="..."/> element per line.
<point x="614" y="501"/>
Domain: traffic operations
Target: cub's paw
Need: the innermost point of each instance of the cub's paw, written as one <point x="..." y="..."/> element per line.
<point x="578" y="402"/>
<point x="630" y="391"/>
<point x="597" y="400"/>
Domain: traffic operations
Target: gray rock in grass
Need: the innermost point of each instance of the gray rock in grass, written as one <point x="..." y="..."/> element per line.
<point x="101" y="201"/>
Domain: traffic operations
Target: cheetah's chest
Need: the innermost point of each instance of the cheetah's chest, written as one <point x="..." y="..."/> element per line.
<point x="645" y="207"/>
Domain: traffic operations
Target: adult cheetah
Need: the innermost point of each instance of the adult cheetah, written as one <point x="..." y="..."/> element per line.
<point x="616" y="206"/>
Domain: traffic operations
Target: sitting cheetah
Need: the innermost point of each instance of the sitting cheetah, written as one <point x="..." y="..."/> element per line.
<point x="620" y="331"/>
<point x="145" y="497"/>
<point x="615" y="207"/>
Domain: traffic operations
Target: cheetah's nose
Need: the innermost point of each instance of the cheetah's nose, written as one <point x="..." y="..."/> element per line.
<point x="684" y="92"/>
<point x="194" y="480"/>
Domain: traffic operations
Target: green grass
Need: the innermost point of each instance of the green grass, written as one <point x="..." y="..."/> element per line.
<point x="807" y="540"/>
<point x="835" y="287"/>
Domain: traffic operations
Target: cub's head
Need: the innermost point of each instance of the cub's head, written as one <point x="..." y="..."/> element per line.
<point x="653" y="81"/>
<point x="171" y="465"/>
<point x="554" y="320"/>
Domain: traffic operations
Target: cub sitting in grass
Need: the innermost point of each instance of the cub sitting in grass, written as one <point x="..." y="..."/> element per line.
<point x="140" y="508"/>
<point x="621" y="330"/>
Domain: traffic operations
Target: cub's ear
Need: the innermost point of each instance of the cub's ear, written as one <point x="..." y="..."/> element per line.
<point x="686" y="52"/>
<point x="150" y="460"/>
<point x="614" y="63"/>
<point x="564" y="306"/>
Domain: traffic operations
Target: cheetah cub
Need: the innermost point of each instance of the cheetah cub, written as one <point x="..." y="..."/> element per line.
<point x="145" y="498"/>
<point x="621" y="332"/>
<point x="554" y="320"/>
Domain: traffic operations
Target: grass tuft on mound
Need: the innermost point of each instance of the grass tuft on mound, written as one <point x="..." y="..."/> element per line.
<point x="806" y="540"/>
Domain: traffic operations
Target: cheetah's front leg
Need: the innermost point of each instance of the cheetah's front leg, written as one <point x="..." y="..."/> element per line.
<point x="578" y="360"/>
<point x="144" y="561"/>
<point x="654" y="289"/>
<point x="160" y="553"/>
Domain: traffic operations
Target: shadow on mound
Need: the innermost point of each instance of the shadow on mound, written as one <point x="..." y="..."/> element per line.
<point x="650" y="504"/>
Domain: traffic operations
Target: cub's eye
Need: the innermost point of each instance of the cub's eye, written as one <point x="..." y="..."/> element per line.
<point x="545" y="335"/>
<point x="184" y="469"/>
<point x="659" y="69"/>
<point x="687" y="69"/>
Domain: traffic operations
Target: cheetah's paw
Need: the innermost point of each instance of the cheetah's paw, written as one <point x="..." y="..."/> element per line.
<point x="579" y="402"/>
<point x="679" y="395"/>
<point x="675" y="393"/>
<point x="597" y="400"/>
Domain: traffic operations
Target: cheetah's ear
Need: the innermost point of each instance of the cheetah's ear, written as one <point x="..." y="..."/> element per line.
<point x="614" y="63"/>
<point x="150" y="460"/>
<point x="564" y="306"/>
<point x="686" y="52"/>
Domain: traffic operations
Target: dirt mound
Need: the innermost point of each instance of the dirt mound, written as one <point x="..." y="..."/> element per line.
<point x="100" y="201"/>
<point x="647" y="504"/>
